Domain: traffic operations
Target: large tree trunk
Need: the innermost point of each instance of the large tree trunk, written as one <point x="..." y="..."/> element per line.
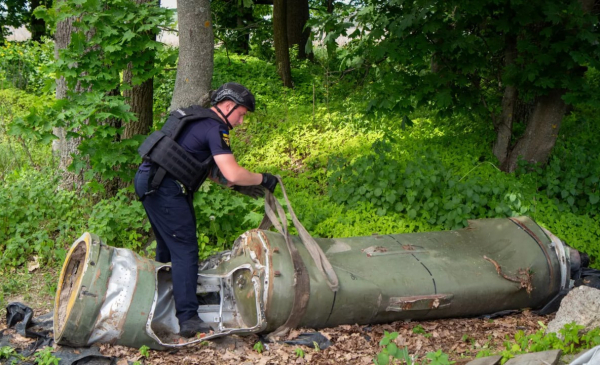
<point x="282" y="54"/>
<point x="297" y="16"/>
<point x="65" y="147"/>
<point x="196" y="48"/>
<point x="541" y="133"/>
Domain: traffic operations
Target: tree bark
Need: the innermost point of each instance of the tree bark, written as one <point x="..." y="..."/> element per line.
<point x="65" y="147"/>
<point x="196" y="48"/>
<point x="140" y="99"/>
<point x="541" y="133"/>
<point x="282" y="55"/>
<point x="504" y="125"/>
<point x="330" y="6"/>
<point x="297" y="16"/>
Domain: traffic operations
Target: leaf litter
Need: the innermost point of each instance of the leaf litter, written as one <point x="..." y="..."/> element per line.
<point x="461" y="338"/>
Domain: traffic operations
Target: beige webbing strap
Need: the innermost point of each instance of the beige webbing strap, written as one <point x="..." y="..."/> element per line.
<point x="275" y="216"/>
<point x="315" y="251"/>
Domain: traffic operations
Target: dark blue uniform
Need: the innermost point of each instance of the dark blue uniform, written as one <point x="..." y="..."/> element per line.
<point x="172" y="217"/>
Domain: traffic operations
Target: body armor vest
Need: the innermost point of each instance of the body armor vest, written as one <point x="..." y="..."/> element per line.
<point x="162" y="149"/>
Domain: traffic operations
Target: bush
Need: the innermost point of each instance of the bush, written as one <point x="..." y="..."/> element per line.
<point x="37" y="217"/>
<point x="22" y="65"/>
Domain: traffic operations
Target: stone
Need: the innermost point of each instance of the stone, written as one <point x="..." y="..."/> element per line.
<point x="536" y="358"/>
<point x="490" y="360"/>
<point x="582" y="306"/>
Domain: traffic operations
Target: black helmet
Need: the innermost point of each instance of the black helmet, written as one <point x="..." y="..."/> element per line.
<point x="234" y="92"/>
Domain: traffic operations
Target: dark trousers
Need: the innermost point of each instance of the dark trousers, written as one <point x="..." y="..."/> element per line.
<point x="172" y="217"/>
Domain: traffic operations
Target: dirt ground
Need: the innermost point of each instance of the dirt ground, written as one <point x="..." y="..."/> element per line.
<point x="462" y="339"/>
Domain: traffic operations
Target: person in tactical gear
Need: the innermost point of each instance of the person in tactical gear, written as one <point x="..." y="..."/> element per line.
<point x="192" y="145"/>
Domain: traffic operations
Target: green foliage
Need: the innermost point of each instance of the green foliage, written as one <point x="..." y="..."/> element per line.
<point x="37" y="217"/>
<point x="17" y="152"/>
<point x="221" y="216"/>
<point x="299" y="352"/>
<point x="45" y="357"/>
<point x="23" y="65"/>
<point x="418" y="329"/>
<point x="438" y="358"/>
<point x="451" y="54"/>
<point x="422" y="188"/>
<point x="391" y="350"/>
<point x="144" y="351"/>
<point x="120" y="221"/>
<point x="571" y="340"/>
<point x="6" y="352"/>
<point x="259" y="347"/>
<point x="164" y="84"/>
<point x="109" y="37"/>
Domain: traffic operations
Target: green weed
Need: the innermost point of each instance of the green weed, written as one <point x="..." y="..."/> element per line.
<point x="259" y="347"/>
<point x="45" y="357"/>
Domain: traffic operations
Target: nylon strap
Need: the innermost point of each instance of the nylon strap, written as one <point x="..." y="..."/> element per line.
<point x="301" y="278"/>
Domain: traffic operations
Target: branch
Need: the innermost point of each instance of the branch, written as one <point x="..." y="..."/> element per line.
<point x="169" y="29"/>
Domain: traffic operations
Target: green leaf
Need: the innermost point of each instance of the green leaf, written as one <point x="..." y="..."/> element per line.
<point x="383" y="359"/>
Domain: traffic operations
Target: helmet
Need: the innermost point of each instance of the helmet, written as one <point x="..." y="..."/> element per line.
<point x="234" y="92"/>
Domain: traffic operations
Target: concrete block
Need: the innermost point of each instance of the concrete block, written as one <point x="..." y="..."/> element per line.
<point x="536" y="358"/>
<point x="582" y="306"/>
<point x="490" y="360"/>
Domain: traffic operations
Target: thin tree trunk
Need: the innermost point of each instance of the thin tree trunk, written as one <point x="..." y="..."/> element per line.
<point x="37" y="27"/>
<point x="196" y="48"/>
<point x="282" y="54"/>
<point x="297" y="16"/>
<point x="504" y="125"/>
<point x="242" y="41"/>
<point x="140" y="98"/>
<point x="330" y="6"/>
<point x="541" y="133"/>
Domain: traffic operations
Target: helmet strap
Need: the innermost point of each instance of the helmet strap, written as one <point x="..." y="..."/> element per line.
<point x="225" y="116"/>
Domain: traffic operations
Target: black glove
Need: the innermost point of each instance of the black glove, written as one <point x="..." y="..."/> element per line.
<point x="253" y="191"/>
<point x="269" y="182"/>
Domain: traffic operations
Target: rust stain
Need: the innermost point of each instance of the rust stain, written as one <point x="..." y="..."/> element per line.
<point x="255" y="246"/>
<point x="539" y="242"/>
<point x="207" y="24"/>
<point x="421" y="302"/>
<point x="408" y="247"/>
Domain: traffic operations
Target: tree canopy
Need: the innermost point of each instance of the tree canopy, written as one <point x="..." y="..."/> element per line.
<point x="493" y="59"/>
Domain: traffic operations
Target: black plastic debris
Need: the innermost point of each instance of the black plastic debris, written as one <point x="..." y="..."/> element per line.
<point x="310" y="339"/>
<point x="20" y="317"/>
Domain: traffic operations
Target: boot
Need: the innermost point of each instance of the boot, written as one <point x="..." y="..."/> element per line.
<point x="192" y="326"/>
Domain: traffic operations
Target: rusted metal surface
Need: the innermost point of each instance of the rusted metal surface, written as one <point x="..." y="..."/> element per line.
<point x="419" y="302"/>
<point x="539" y="242"/>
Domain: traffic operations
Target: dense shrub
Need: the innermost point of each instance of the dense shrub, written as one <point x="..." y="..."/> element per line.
<point x="22" y="65"/>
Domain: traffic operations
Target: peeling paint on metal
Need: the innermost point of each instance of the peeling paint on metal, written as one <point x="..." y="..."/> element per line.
<point x="121" y="287"/>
